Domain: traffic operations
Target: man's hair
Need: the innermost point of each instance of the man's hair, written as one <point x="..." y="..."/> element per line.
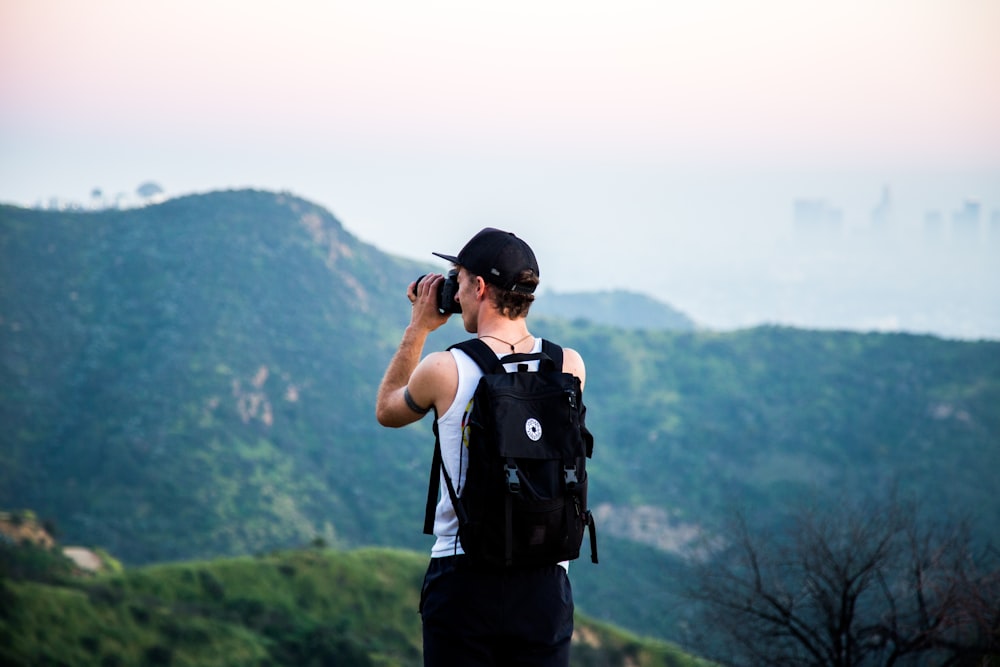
<point x="514" y="304"/>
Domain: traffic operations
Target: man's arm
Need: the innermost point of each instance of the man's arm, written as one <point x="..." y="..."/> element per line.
<point x="407" y="377"/>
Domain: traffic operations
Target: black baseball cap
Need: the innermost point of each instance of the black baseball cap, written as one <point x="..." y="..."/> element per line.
<point x="499" y="257"/>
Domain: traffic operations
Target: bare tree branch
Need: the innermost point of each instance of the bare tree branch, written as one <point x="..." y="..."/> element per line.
<point x="864" y="586"/>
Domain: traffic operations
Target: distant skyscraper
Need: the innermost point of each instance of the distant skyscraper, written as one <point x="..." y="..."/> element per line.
<point x="882" y="214"/>
<point x="965" y="223"/>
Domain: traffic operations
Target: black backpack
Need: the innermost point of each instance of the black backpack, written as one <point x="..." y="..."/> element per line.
<point x="524" y="498"/>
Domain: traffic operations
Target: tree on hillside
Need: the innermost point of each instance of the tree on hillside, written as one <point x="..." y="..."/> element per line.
<point x="872" y="585"/>
<point x="148" y="190"/>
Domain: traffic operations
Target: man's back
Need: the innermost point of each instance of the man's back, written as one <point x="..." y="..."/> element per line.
<point x="474" y="613"/>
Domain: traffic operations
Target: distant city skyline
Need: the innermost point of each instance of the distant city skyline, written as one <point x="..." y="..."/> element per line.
<point x="822" y="218"/>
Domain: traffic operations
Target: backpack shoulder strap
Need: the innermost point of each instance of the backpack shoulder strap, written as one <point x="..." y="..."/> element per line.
<point x="434" y="486"/>
<point x="554" y="352"/>
<point x="480" y="352"/>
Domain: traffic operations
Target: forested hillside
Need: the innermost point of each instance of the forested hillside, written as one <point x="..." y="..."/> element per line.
<point x="196" y="379"/>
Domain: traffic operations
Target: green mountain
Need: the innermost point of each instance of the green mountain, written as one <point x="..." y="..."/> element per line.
<point x="620" y="308"/>
<point x="195" y="379"/>
<point x="206" y="364"/>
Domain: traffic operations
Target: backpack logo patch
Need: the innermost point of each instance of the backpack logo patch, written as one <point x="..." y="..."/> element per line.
<point x="533" y="429"/>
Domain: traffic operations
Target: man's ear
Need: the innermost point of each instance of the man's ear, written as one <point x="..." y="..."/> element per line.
<point x="481" y="287"/>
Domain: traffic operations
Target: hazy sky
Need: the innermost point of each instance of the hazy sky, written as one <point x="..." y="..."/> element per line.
<point x="673" y="135"/>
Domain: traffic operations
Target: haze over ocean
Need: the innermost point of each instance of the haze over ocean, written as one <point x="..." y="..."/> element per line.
<point x="818" y="164"/>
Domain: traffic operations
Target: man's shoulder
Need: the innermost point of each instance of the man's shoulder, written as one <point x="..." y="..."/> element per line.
<point x="440" y="357"/>
<point x="434" y="380"/>
<point x="573" y="363"/>
<point x="436" y="365"/>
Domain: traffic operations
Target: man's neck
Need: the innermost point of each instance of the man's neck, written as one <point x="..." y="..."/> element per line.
<point x="503" y="334"/>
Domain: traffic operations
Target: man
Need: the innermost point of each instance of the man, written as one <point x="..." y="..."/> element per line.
<point x="474" y="615"/>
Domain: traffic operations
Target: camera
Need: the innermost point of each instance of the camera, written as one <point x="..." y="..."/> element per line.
<point x="446" y="292"/>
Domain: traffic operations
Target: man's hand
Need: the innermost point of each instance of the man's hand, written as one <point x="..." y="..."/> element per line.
<point x="423" y="298"/>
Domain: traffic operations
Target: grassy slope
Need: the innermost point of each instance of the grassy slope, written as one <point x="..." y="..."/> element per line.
<point x="299" y="607"/>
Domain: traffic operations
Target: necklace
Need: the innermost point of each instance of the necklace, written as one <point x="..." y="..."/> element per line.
<point x="505" y="342"/>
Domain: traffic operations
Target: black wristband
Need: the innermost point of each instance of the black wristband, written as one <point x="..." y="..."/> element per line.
<point x="413" y="404"/>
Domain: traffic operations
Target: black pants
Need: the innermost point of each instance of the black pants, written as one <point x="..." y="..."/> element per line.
<point x="475" y="617"/>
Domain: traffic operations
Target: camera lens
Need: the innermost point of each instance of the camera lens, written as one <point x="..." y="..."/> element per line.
<point x="446" y="292"/>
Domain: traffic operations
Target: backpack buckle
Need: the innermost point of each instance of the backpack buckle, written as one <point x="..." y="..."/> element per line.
<point x="513" y="482"/>
<point x="571" y="397"/>
<point x="570" y="476"/>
